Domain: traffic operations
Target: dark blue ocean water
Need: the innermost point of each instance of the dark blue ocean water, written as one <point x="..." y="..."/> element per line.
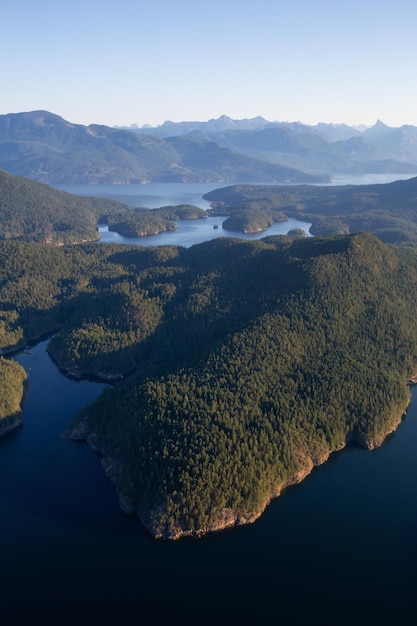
<point x="340" y="547"/>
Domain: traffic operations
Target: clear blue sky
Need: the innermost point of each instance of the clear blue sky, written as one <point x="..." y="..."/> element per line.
<point x="147" y="61"/>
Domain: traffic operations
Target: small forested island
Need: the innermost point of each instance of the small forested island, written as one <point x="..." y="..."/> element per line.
<point x="145" y="222"/>
<point x="296" y="232"/>
<point x="252" y="220"/>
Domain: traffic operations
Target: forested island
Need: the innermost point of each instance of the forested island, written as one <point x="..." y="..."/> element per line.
<point x="240" y="364"/>
<point x="146" y="222"/>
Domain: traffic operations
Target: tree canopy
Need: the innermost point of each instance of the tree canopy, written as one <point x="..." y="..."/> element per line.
<point x="245" y="363"/>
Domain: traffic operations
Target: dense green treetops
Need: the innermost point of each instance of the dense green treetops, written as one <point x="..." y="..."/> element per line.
<point x="144" y="222"/>
<point x="12" y="381"/>
<point x="31" y="211"/>
<point x="249" y="362"/>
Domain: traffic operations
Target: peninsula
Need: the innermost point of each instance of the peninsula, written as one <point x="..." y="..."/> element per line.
<point x="312" y="352"/>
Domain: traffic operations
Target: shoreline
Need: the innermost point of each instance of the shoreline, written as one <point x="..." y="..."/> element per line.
<point x="72" y="371"/>
<point x="228" y="518"/>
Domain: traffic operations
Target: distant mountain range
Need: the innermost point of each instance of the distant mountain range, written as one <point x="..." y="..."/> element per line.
<point x="47" y="148"/>
<point x="324" y="148"/>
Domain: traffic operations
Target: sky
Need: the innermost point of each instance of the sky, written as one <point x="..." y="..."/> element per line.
<point x="147" y="61"/>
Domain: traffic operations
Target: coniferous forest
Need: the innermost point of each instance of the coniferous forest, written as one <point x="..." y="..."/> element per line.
<point x="237" y="365"/>
<point x="12" y="386"/>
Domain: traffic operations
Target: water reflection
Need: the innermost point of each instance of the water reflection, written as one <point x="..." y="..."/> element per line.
<point x="190" y="232"/>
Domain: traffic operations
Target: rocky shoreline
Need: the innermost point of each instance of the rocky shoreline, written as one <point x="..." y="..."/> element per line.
<point x="73" y="371"/>
<point x="228" y="518"/>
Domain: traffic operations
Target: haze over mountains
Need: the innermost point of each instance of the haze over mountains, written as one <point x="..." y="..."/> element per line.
<point x="325" y="148"/>
<point x="45" y="147"/>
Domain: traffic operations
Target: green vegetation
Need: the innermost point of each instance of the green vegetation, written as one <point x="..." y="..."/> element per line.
<point x="12" y="381"/>
<point x="387" y="211"/>
<point x="274" y="366"/>
<point x="245" y="363"/>
<point x="181" y="212"/>
<point x="252" y="220"/>
<point x="144" y="222"/>
<point x="296" y="232"/>
<point x="249" y="362"/>
<point x="31" y="211"/>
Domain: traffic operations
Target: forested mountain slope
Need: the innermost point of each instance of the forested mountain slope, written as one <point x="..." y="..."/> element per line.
<point x="250" y="362"/>
<point x="32" y="211"/>
<point x="305" y="347"/>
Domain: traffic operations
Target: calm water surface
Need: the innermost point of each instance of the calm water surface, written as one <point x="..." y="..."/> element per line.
<point x="151" y="196"/>
<point x="154" y="195"/>
<point x="190" y="232"/>
<point x="341" y="546"/>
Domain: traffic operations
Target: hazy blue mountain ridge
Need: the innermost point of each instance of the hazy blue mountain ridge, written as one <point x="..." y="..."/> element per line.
<point x="169" y="129"/>
<point x="47" y="148"/>
<point x="327" y="148"/>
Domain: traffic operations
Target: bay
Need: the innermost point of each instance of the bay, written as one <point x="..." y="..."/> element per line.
<point x="340" y="547"/>
<point x="190" y="232"/>
<point x="150" y="196"/>
<point x="154" y="195"/>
